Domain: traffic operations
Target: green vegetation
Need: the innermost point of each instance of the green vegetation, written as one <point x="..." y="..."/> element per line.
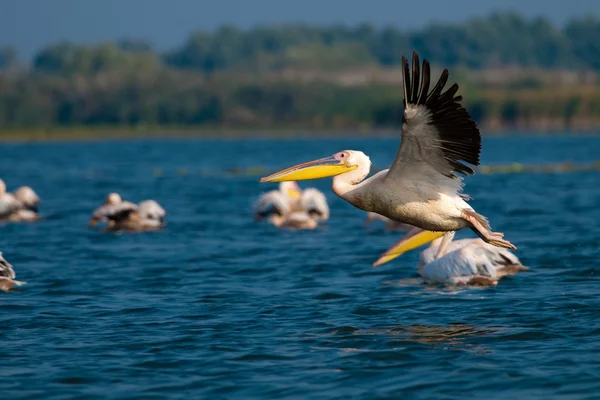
<point x="515" y="74"/>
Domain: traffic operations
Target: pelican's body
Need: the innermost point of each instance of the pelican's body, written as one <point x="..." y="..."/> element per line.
<point x="126" y="216"/>
<point x="390" y="224"/>
<point x="424" y="184"/>
<point x="291" y="207"/>
<point x="21" y="206"/>
<point x="460" y="262"/>
<point x="7" y="275"/>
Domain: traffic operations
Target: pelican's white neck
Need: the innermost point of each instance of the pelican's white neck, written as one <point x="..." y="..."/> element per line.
<point x="352" y="180"/>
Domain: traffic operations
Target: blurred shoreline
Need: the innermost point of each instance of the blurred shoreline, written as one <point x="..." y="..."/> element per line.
<point x="166" y="133"/>
<point x="515" y="74"/>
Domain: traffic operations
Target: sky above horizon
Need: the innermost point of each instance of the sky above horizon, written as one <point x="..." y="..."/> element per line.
<point x="31" y="24"/>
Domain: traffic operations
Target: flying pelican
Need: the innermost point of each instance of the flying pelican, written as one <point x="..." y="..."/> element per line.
<point x="291" y="207"/>
<point x="20" y="206"/>
<point x="124" y="215"/>
<point x="463" y="262"/>
<point x="390" y="224"/>
<point x="422" y="188"/>
<point x="7" y="275"/>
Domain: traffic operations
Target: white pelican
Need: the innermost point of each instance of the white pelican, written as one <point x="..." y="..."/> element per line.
<point x="291" y="207"/>
<point x="463" y="262"/>
<point x="20" y="206"/>
<point x="390" y="224"/>
<point x="29" y="205"/>
<point x="7" y="275"/>
<point x="124" y="215"/>
<point x="422" y="188"/>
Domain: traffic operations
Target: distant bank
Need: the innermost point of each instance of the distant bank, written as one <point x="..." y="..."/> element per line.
<point x="106" y="133"/>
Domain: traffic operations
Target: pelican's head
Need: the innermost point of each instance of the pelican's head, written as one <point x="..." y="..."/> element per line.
<point x="339" y="163"/>
<point x="290" y="189"/>
<point x="2" y="187"/>
<point x="113" y="198"/>
<point x="413" y="239"/>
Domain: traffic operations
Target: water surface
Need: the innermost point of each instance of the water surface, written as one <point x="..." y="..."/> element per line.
<point x="217" y="306"/>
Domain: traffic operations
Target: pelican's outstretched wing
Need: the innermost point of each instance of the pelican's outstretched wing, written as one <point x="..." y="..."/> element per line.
<point x="314" y="202"/>
<point x="438" y="134"/>
<point x="428" y="255"/>
<point x="273" y="202"/>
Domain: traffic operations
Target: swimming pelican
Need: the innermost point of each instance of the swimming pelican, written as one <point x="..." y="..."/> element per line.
<point x="291" y="207"/>
<point x="7" y="275"/>
<point x="124" y="215"/>
<point x="463" y="262"/>
<point x="29" y="205"/>
<point x="20" y="206"/>
<point x="422" y="188"/>
<point x="390" y="224"/>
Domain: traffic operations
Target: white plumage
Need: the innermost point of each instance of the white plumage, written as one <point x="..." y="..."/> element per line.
<point x="470" y="261"/>
<point x="314" y="202"/>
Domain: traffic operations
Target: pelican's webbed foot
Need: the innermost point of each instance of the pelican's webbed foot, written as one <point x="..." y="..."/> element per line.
<point x="480" y="226"/>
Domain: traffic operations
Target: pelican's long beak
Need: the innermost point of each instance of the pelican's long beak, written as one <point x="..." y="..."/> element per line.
<point x="413" y="239"/>
<point x="322" y="168"/>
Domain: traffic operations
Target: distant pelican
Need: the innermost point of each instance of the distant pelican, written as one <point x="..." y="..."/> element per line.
<point x="291" y="207"/>
<point x="390" y="224"/>
<point x="422" y="188"/>
<point x="463" y="262"/>
<point x="126" y="216"/>
<point x="30" y="202"/>
<point x="7" y="275"/>
<point x="20" y="206"/>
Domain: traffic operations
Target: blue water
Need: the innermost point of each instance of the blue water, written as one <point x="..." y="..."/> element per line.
<point x="217" y="306"/>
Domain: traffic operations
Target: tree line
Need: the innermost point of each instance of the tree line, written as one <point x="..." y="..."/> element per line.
<point x="231" y="77"/>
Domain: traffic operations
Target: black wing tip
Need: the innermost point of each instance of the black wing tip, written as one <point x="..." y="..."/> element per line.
<point x="457" y="130"/>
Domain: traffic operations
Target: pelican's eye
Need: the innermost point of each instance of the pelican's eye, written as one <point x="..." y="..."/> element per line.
<point x="342" y="155"/>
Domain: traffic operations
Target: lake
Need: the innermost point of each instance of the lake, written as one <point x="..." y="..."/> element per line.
<point x="218" y="306"/>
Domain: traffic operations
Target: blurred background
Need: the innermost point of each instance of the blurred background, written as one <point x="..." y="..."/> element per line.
<point x="77" y="67"/>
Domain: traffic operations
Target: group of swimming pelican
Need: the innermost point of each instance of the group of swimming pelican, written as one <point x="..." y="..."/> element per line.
<point x="292" y="207"/>
<point x="423" y="187"/>
<point x="118" y="215"/>
<point x="422" y="191"/>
